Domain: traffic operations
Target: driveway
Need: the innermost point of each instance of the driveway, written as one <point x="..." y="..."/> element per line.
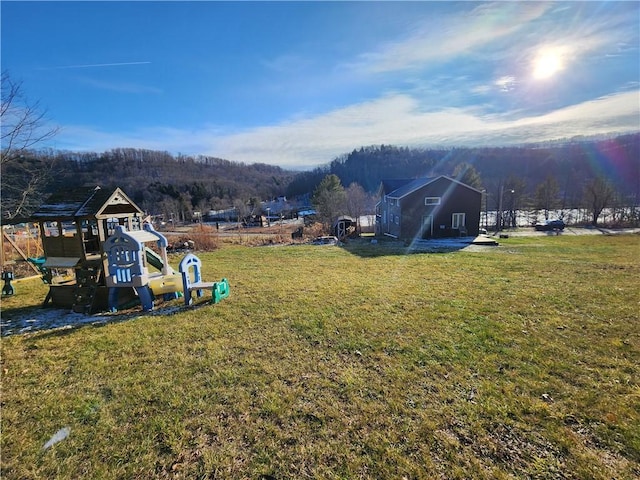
<point x="569" y="230"/>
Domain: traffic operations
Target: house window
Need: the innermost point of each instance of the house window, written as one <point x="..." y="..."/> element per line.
<point x="397" y="219"/>
<point x="432" y="201"/>
<point x="458" y="220"/>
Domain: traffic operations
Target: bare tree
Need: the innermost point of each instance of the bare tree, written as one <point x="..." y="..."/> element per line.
<point x="547" y="194"/>
<point x="359" y="202"/>
<point x="23" y="126"/>
<point x="599" y="194"/>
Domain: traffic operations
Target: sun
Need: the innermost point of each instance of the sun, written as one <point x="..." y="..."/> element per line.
<point x="547" y="63"/>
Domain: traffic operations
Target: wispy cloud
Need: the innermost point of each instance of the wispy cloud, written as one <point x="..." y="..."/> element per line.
<point x="96" y="65"/>
<point x="118" y="86"/>
<point x="451" y="36"/>
<point x="114" y="86"/>
<point x="287" y="63"/>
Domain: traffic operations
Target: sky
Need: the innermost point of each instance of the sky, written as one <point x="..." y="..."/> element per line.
<point x="298" y="84"/>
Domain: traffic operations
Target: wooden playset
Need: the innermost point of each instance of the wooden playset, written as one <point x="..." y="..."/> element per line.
<point x="99" y="235"/>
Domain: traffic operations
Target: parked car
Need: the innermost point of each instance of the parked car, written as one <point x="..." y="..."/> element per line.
<point x="549" y="225"/>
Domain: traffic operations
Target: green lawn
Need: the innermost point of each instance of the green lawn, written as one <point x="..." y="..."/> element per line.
<point x="355" y="362"/>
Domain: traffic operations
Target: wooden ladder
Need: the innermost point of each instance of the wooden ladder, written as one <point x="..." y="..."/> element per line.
<point x="87" y="278"/>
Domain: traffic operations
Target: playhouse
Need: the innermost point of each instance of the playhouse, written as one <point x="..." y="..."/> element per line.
<point x="74" y="224"/>
<point x="98" y="238"/>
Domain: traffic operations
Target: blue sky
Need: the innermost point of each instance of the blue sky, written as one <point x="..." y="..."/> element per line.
<point x="297" y="84"/>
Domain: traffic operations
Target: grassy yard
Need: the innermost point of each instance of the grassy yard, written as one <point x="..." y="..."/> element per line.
<point x="345" y="363"/>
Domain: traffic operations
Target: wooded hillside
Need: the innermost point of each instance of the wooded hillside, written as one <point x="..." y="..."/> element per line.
<point x="162" y="183"/>
<point x="572" y="164"/>
<point x="158" y="182"/>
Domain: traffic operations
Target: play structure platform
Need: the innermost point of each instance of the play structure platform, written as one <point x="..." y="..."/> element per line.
<point x="127" y="258"/>
<point x="190" y="268"/>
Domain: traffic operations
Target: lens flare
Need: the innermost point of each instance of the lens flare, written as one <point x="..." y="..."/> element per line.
<point x="547" y="63"/>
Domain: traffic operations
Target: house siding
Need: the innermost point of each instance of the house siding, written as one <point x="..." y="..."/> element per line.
<point x="391" y="212"/>
<point x="411" y="209"/>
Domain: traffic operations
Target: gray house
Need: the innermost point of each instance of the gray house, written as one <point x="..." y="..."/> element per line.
<point x="428" y="208"/>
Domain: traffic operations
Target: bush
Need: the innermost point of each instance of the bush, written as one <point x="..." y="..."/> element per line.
<point x="204" y="237"/>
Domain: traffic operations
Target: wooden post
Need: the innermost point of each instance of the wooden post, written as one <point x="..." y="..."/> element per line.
<point x="20" y="252"/>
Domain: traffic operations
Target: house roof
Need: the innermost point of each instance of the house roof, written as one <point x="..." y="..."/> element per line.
<point x="84" y="202"/>
<point x="410" y="186"/>
<point x="390" y="185"/>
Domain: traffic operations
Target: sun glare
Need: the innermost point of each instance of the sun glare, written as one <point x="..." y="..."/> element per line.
<point x="547" y="64"/>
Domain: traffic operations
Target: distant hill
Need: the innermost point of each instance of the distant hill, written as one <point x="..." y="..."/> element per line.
<point x="572" y="163"/>
<point x="158" y="182"/>
<point x="162" y="183"/>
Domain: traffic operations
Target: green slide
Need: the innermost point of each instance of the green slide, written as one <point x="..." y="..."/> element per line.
<point x="155" y="260"/>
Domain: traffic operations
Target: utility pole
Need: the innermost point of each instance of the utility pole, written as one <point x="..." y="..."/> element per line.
<point x="485" y="195"/>
<point x="499" y="219"/>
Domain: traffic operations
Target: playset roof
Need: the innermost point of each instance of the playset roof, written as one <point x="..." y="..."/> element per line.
<point x="85" y="202"/>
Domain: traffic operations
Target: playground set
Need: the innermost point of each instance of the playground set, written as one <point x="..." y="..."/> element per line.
<point x="99" y="236"/>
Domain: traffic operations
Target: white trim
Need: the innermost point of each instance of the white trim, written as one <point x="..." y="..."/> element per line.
<point x="429" y="224"/>
<point x="437" y="201"/>
<point x="455" y="223"/>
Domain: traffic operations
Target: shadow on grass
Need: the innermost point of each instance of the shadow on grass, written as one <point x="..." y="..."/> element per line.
<point x="368" y="247"/>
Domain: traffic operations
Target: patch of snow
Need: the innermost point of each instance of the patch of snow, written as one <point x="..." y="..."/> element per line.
<point x="41" y="319"/>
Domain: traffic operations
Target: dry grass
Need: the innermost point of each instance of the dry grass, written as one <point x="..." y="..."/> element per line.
<point x="204" y="237"/>
<point x="332" y="363"/>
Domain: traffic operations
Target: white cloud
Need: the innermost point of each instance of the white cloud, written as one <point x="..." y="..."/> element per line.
<point x="398" y="120"/>
<point x="394" y="119"/>
<point x="614" y="112"/>
<point x="505" y="83"/>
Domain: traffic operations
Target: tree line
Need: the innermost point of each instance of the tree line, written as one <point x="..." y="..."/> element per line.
<point x="572" y="163"/>
<point x="160" y="183"/>
<point x="581" y="173"/>
<point x="177" y="186"/>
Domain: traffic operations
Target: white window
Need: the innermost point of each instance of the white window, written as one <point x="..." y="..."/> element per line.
<point x="458" y="220"/>
<point x="432" y="201"/>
